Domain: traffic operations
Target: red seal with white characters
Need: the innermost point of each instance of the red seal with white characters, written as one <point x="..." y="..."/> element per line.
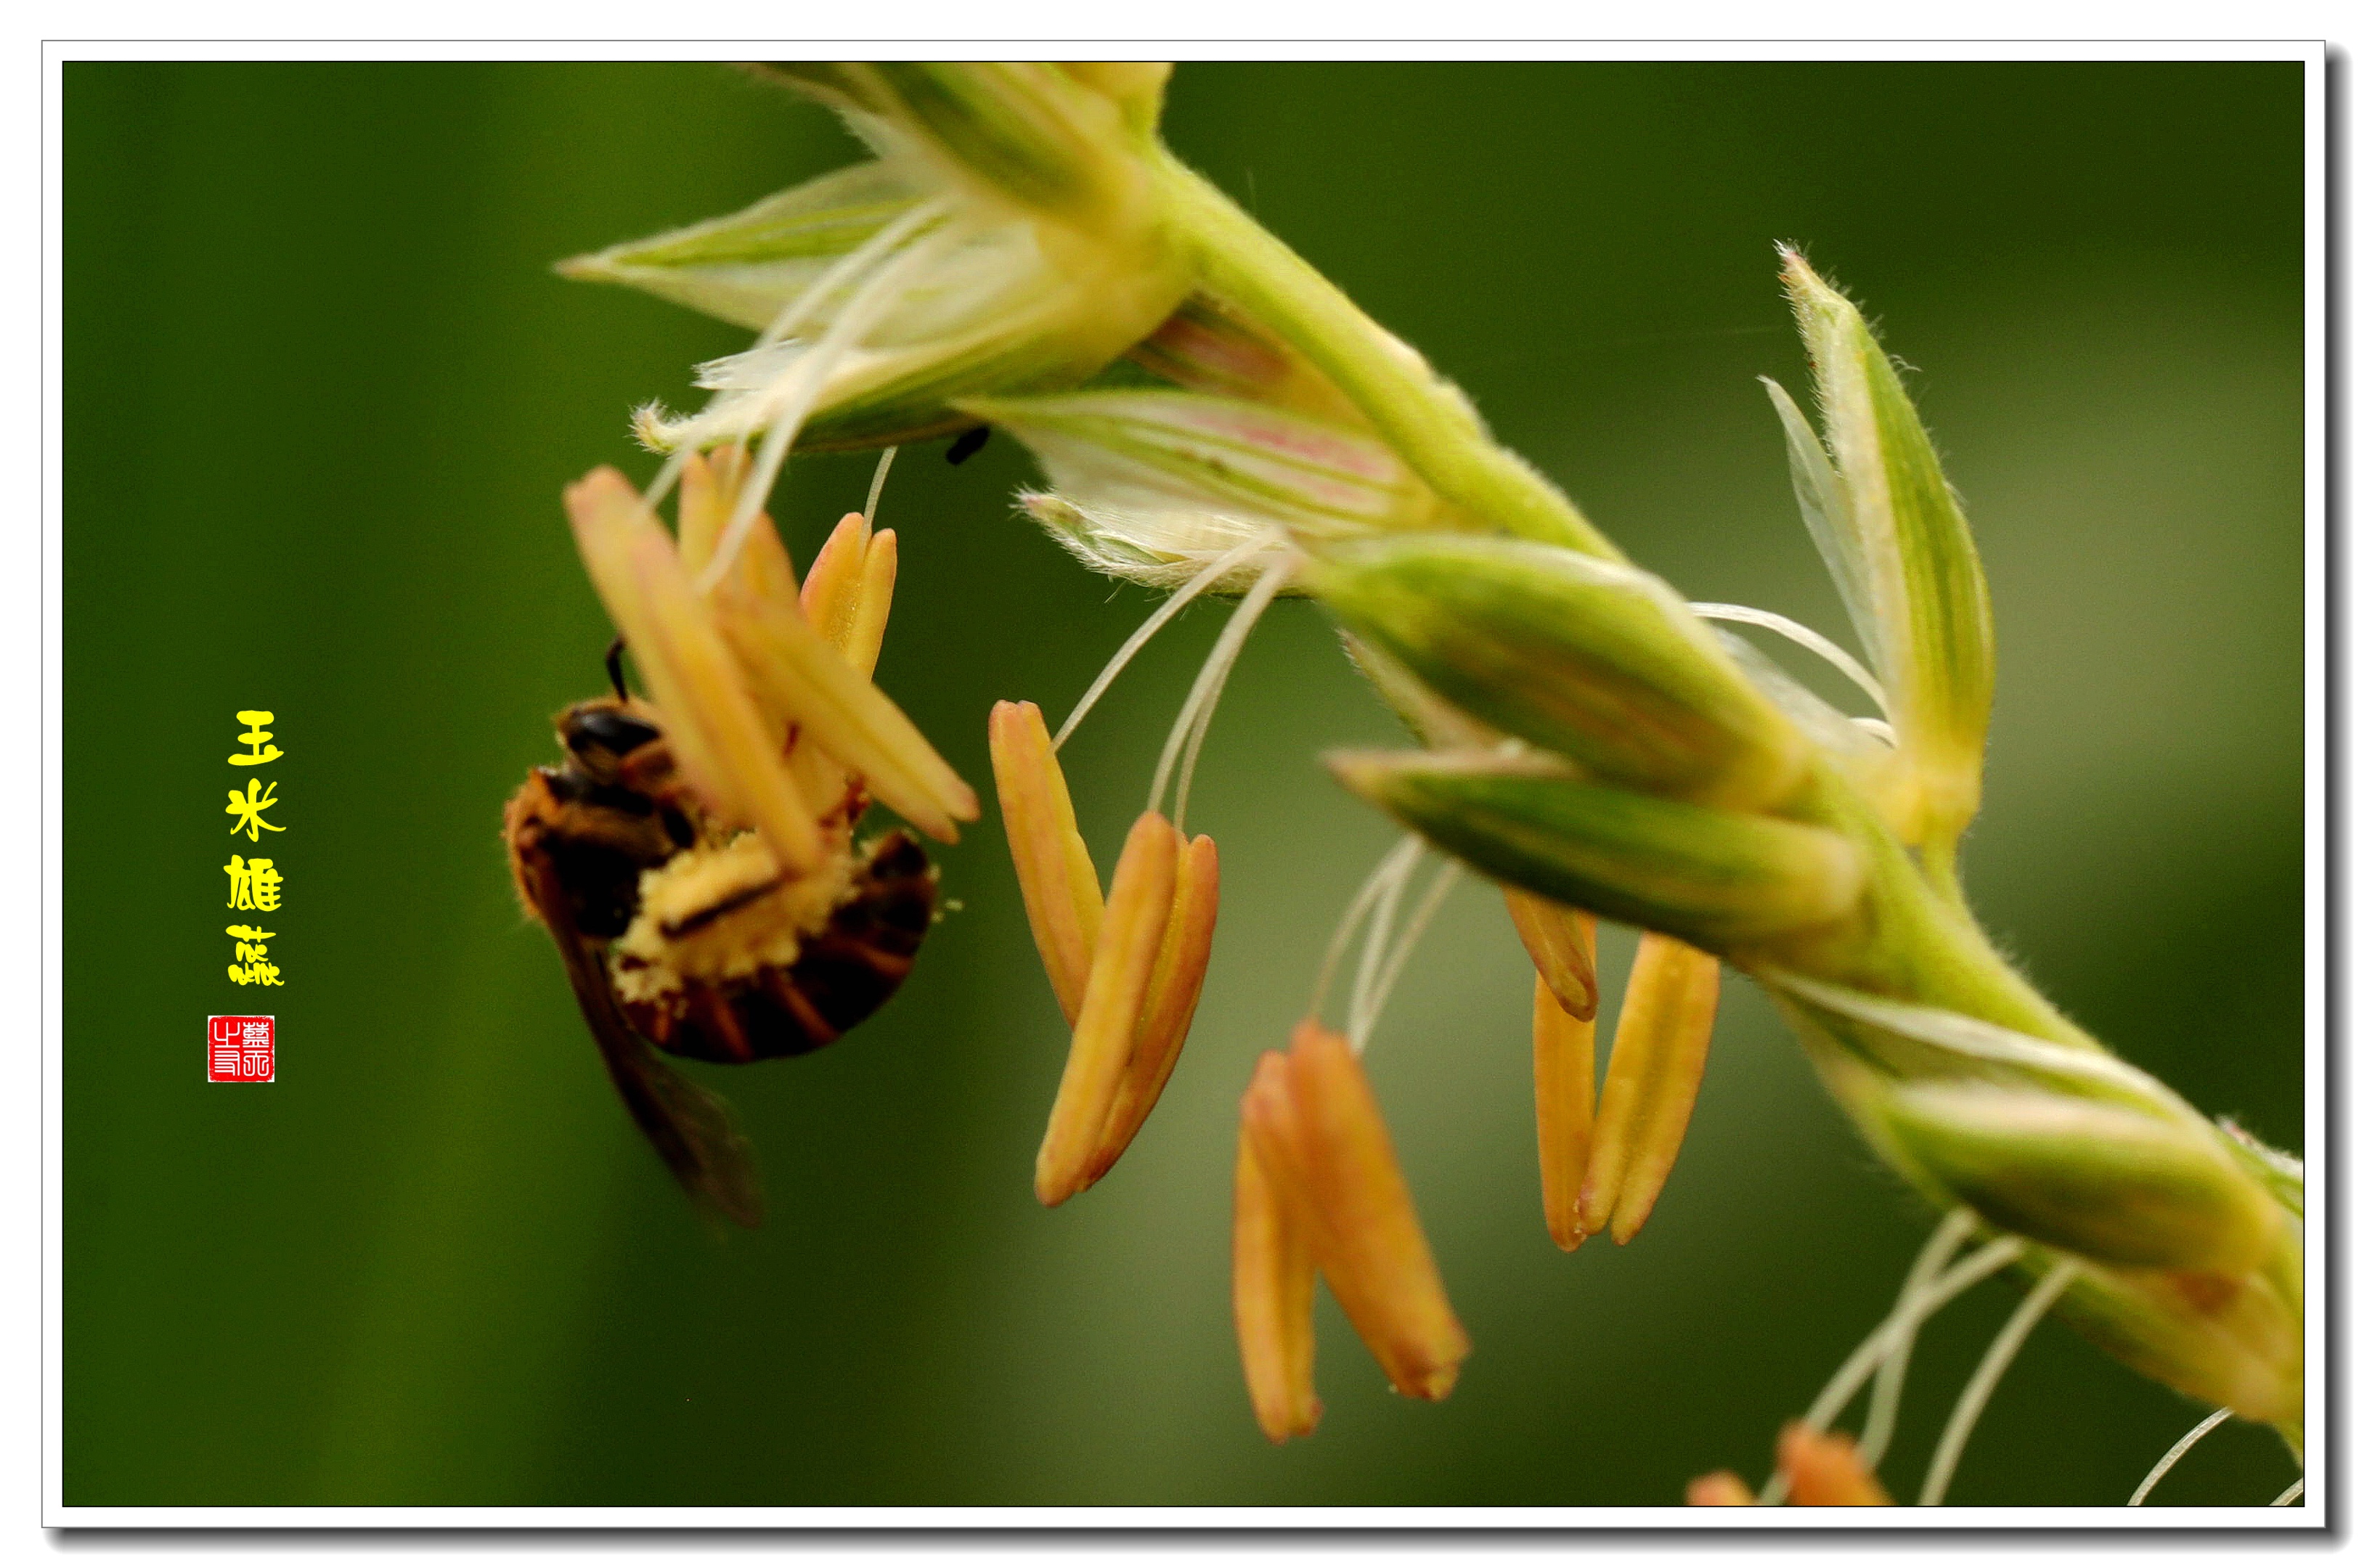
<point x="239" y="1049"/>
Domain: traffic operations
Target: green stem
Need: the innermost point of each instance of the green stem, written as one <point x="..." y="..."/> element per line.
<point x="1939" y="857"/>
<point x="1909" y="939"/>
<point x="1415" y="410"/>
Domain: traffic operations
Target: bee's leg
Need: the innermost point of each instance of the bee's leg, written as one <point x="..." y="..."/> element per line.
<point x="614" y="661"/>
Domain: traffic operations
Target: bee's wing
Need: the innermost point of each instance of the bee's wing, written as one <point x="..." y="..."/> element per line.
<point x="691" y="1128"/>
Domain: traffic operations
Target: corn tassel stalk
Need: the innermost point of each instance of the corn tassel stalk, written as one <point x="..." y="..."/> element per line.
<point x="1588" y="738"/>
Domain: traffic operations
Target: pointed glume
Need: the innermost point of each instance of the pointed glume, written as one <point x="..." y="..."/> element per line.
<point x="851" y="266"/>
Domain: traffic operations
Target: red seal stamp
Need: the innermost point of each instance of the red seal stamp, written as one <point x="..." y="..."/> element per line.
<point x="238" y="1050"/>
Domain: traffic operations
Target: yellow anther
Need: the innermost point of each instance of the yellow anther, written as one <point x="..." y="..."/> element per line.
<point x="1648" y="1093"/>
<point x="1319" y="1137"/>
<point x="1826" y="1470"/>
<point x="1723" y="1490"/>
<point x="834" y="581"/>
<point x="710" y="488"/>
<point x="1056" y="880"/>
<point x="1142" y="898"/>
<point x="717" y="736"/>
<point x="1821" y="1471"/>
<point x="699" y="514"/>
<point x="807" y="684"/>
<point x="1167" y="1010"/>
<point x="1274" y="1298"/>
<point x="1565" y="1077"/>
<point x="869" y="622"/>
<point x="1560" y="943"/>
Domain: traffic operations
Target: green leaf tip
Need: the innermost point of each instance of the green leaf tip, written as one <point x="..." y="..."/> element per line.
<point x="1900" y="551"/>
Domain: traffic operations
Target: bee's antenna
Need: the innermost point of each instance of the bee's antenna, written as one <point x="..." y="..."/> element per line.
<point x="614" y="662"/>
<point x="967" y="444"/>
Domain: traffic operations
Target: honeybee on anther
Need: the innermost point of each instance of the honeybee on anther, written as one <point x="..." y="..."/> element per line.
<point x="695" y="942"/>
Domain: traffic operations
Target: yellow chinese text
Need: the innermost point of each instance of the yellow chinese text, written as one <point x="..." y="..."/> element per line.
<point x="259" y="748"/>
<point x="250" y="806"/>
<point x="251" y="968"/>
<point x="254" y="884"/>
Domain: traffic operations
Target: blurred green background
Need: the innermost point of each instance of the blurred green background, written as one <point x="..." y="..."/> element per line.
<point x="322" y="392"/>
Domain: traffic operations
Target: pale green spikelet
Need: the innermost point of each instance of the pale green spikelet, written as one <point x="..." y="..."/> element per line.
<point x="1189" y="456"/>
<point x="1713" y="876"/>
<point x="1054" y="140"/>
<point x="1588" y="659"/>
<point x="1010" y="237"/>
<point x="1210" y="346"/>
<point x="746" y="267"/>
<point x="2100" y="1181"/>
<point x="2191" y="1261"/>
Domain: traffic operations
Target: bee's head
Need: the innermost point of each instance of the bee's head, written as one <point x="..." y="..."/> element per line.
<point x="602" y="733"/>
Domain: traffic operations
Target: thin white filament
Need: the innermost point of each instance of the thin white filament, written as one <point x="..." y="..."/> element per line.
<point x="1377" y="926"/>
<point x="1208" y="709"/>
<point x="793" y="314"/>
<point x="1904" y="1320"/>
<point x="1213" y="670"/>
<point x="1360" y="1023"/>
<point x="2177" y="1452"/>
<point x="1192" y="760"/>
<point x="801" y="388"/>
<point x="1879" y="729"/>
<point x="1208" y="713"/>
<point x="1868" y="1356"/>
<point x="2286" y="1497"/>
<point x="1890" y="1383"/>
<point x="1969" y="1405"/>
<point x="1394" y="864"/>
<point x="878" y="483"/>
<point x="1814" y="642"/>
<point x="797" y="392"/>
<point x="1264" y="591"/>
<point x="668" y="471"/>
<point x="1176" y="602"/>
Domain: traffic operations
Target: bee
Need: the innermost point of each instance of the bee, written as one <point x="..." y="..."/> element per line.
<point x="680" y="939"/>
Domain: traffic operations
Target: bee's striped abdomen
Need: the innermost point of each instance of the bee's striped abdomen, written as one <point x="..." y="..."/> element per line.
<point x="842" y="974"/>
